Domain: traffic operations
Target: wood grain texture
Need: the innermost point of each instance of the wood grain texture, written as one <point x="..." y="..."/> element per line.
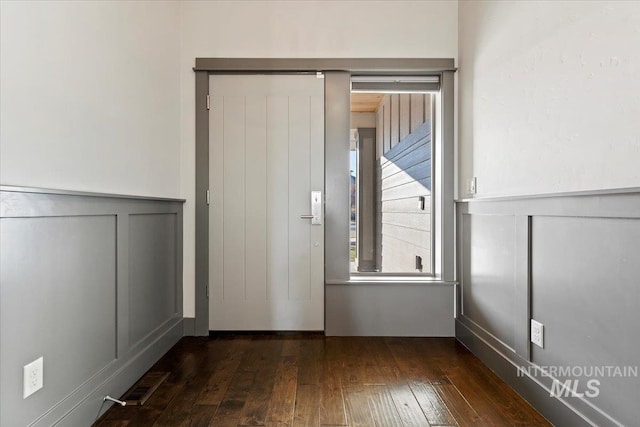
<point x="303" y="380"/>
<point x="332" y="410"/>
<point x="265" y="363"/>
<point x="365" y="102"/>
<point x="382" y="407"/>
<point x="307" y="407"/>
<point x="283" y="394"/>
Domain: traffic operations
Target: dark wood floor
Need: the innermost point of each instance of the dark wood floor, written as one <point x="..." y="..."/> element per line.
<point x="313" y="380"/>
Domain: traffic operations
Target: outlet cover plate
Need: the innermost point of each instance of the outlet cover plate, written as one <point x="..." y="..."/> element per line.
<point x="537" y="333"/>
<point x="32" y="377"/>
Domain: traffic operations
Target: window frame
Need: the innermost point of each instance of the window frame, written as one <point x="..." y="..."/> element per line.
<point x="391" y="85"/>
<point x="337" y="73"/>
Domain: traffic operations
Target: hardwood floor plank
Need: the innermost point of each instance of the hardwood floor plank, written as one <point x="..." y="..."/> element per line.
<point x="383" y="409"/>
<point x="291" y="347"/>
<point x="117" y="413"/>
<point x="408" y="408"/>
<point x="357" y="407"/>
<point x="412" y="362"/>
<point x="266" y="380"/>
<point x="206" y="356"/>
<point x="310" y="365"/>
<point x="256" y="406"/>
<point x="178" y="410"/>
<point x="349" y="368"/>
<point x="360" y="366"/>
<point x="201" y="415"/>
<point x="406" y="404"/>
<point x="433" y="407"/>
<point x="114" y="423"/>
<point x="332" y="409"/>
<point x="148" y="414"/>
<point x="307" y="407"/>
<point x="230" y="408"/>
<point x="261" y="348"/>
<point x="283" y="396"/>
<point x="386" y="361"/>
<point x="459" y="407"/>
<point x="503" y="395"/>
<point x="218" y="382"/>
<point x="481" y="403"/>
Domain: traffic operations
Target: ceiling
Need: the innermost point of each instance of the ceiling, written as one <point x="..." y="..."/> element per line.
<point x="365" y="102"/>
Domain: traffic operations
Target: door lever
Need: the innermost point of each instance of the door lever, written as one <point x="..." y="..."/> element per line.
<point x="316" y="208"/>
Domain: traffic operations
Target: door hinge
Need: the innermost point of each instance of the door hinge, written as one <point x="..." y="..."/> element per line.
<point x="207" y="291"/>
<point x="208" y="197"/>
<point x="208" y="102"/>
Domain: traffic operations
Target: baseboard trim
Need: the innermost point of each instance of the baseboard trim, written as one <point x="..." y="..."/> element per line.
<point x="116" y="380"/>
<point x="189" y="326"/>
<point x="558" y="412"/>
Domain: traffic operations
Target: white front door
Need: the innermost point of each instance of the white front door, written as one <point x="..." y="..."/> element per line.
<point x="266" y="156"/>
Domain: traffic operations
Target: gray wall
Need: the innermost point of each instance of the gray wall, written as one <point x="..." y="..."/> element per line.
<point x="390" y="309"/>
<point x="367" y="199"/>
<point x="572" y="263"/>
<point x="93" y="283"/>
<point x="337" y="175"/>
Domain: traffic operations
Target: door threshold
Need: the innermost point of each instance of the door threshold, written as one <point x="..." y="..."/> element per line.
<point x="215" y="334"/>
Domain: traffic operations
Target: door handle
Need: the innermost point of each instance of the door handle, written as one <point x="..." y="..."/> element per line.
<point x="316" y="209"/>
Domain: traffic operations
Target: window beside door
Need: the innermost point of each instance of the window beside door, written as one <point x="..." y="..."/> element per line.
<point x="391" y="215"/>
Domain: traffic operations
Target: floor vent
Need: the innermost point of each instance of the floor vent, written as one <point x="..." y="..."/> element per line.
<point x="143" y="389"/>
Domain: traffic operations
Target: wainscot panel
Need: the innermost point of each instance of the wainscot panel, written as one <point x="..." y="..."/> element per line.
<point x="390" y="309"/>
<point x="569" y="261"/>
<point x="92" y="283"/>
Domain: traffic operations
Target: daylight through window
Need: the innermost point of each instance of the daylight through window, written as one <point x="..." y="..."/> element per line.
<point x="391" y="182"/>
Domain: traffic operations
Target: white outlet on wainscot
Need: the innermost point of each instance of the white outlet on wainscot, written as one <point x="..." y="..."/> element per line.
<point x="32" y="377"/>
<point x="537" y="333"/>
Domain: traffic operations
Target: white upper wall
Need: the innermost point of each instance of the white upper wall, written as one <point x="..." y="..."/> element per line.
<point x="299" y="29"/>
<point x="550" y="96"/>
<point x="290" y="29"/>
<point x="91" y="96"/>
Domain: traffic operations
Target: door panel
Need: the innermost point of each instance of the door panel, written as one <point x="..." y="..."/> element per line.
<point x="266" y="156"/>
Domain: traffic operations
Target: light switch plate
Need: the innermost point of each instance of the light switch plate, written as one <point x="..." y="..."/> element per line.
<point x="473" y="182"/>
<point x="32" y="375"/>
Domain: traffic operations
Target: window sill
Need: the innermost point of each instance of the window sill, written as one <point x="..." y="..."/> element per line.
<point x="390" y="280"/>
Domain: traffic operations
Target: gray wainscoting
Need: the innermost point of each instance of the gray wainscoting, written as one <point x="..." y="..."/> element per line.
<point x="572" y="263"/>
<point x="390" y="309"/>
<point x="92" y="283"/>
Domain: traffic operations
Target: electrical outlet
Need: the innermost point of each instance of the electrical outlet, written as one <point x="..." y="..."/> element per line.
<point x="537" y="333"/>
<point x="473" y="185"/>
<point x="32" y="375"/>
